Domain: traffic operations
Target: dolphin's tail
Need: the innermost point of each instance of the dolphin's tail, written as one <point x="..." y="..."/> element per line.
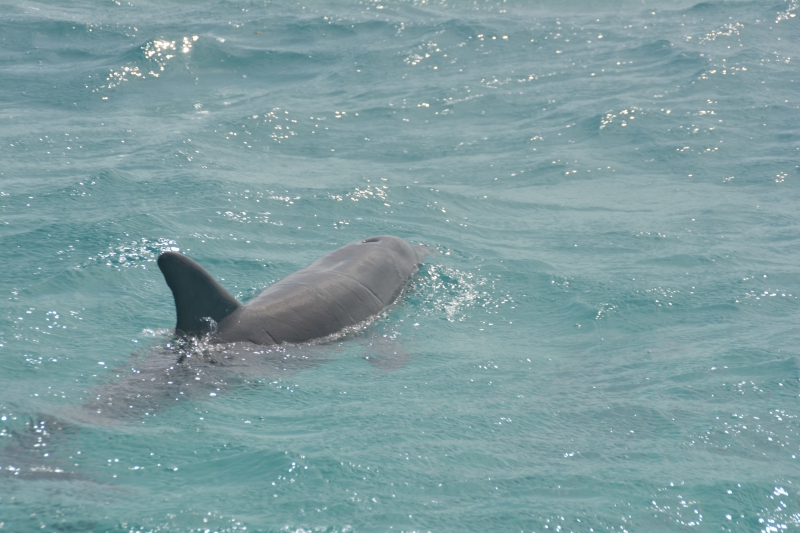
<point x="198" y="296"/>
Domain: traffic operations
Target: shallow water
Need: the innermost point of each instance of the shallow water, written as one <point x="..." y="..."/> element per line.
<point x="604" y="340"/>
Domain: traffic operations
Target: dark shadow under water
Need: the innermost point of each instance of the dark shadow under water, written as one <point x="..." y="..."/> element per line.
<point x="187" y="370"/>
<point x="160" y="377"/>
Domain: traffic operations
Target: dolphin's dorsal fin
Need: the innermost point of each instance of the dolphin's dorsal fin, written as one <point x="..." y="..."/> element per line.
<point x="198" y="296"/>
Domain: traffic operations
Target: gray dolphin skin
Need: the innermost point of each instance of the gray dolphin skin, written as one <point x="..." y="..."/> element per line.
<point x="341" y="289"/>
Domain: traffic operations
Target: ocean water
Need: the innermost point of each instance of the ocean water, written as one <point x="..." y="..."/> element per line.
<point x="604" y="339"/>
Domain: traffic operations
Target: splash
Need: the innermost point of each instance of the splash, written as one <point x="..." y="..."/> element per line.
<point x="452" y="292"/>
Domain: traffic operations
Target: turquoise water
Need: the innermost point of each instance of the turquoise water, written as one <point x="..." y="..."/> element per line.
<point x="605" y="339"/>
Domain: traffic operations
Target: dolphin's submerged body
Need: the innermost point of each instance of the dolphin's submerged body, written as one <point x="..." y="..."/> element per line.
<point x="341" y="289"/>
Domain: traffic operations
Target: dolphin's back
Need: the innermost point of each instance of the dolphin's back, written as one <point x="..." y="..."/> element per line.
<point x="382" y="265"/>
<point x="341" y="289"/>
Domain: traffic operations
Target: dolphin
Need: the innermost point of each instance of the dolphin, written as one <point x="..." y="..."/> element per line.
<point x="341" y="289"/>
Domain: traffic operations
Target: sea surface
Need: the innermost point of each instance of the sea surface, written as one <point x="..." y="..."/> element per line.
<point x="605" y="337"/>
